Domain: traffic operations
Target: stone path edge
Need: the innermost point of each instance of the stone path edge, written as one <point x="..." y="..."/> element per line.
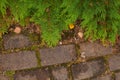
<point x="52" y="58"/>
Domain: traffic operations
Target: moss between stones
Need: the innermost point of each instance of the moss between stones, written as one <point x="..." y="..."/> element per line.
<point x="1" y="44"/>
<point x="10" y="74"/>
<point x="70" y="75"/>
<point x="106" y="64"/>
<point x="38" y="58"/>
<point x="113" y="76"/>
<point x="33" y="37"/>
<point x="77" y="49"/>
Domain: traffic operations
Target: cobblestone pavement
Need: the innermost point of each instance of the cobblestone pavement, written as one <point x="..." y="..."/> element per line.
<point x="21" y="59"/>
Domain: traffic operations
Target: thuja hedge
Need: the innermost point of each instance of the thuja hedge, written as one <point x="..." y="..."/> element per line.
<point x="100" y="18"/>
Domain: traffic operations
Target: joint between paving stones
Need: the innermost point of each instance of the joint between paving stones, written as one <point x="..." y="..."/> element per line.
<point x="70" y="73"/>
<point x="107" y="63"/>
<point x="38" y="58"/>
<point x="77" y="49"/>
<point x="33" y="47"/>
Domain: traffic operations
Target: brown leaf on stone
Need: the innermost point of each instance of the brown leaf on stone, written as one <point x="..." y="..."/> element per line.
<point x="80" y="35"/>
<point x="17" y="30"/>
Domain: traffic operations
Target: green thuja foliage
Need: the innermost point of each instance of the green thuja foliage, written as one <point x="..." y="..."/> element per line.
<point x="3" y="28"/>
<point x="100" y="18"/>
<point x="3" y="6"/>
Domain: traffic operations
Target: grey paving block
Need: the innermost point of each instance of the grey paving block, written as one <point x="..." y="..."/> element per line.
<point x="94" y="49"/>
<point x="15" y="41"/>
<point x="3" y="77"/>
<point x="117" y="76"/>
<point x="114" y="62"/>
<point x="57" y="55"/>
<point x="17" y="61"/>
<point x="105" y="77"/>
<point x="88" y="69"/>
<point x="60" y="73"/>
<point x="32" y="75"/>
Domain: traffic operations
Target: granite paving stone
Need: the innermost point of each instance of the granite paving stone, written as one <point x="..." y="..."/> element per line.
<point x="3" y="77"/>
<point x="57" y="55"/>
<point x="88" y="69"/>
<point x="16" y="41"/>
<point x="94" y="49"/>
<point x="117" y="76"/>
<point x="23" y="60"/>
<point x="114" y="62"/>
<point x="37" y="74"/>
<point x="19" y="60"/>
<point x="60" y="73"/>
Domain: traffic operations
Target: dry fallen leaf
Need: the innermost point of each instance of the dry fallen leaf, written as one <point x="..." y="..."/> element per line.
<point x="60" y="43"/>
<point x="80" y="34"/>
<point x="17" y="30"/>
<point x="71" y="26"/>
<point x="83" y="55"/>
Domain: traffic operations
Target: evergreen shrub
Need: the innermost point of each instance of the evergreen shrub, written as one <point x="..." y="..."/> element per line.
<point x="100" y="18"/>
